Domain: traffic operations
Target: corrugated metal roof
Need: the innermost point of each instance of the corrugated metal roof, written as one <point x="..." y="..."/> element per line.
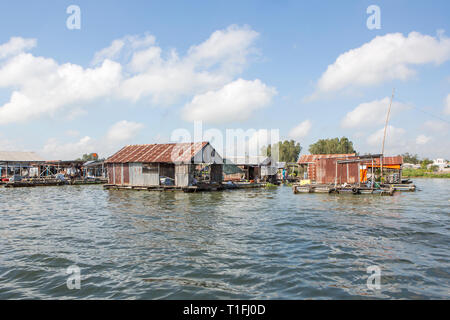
<point x="308" y="158"/>
<point x="387" y="161"/>
<point x="19" y="156"/>
<point x="165" y="153"/>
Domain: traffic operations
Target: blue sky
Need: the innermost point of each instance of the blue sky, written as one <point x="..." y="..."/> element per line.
<point x="273" y="75"/>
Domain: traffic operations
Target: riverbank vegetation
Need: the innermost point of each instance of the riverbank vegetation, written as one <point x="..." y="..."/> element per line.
<point x="426" y="173"/>
<point x="426" y="169"/>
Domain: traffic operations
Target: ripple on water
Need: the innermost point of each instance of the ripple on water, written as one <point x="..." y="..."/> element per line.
<point x="268" y="244"/>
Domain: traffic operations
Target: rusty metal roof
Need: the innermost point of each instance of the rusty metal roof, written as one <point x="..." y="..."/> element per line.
<point x="308" y="158"/>
<point x="396" y="160"/>
<point x="166" y="153"/>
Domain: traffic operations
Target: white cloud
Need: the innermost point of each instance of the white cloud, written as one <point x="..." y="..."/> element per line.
<point x="236" y="101"/>
<point x="207" y="66"/>
<point x="115" y="137"/>
<point x="124" y="46"/>
<point x="123" y="131"/>
<point x="301" y="130"/>
<point x="371" y="113"/>
<point x="227" y="48"/>
<point x="44" y="87"/>
<point x="436" y="126"/>
<point x="261" y="138"/>
<point x="447" y="105"/>
<point x="55" y="150"/>
<point x="248" y="142"/>
<point x="72" y="133"/>
<point x="422" y="139"/>
<point x="41" y="86"/>
<point x="384" y="58"/>
<point x="7" y="144"/>
<point x="111" y="52"/>
<point x="394" y="138"/>
<point x="16" y="45"/>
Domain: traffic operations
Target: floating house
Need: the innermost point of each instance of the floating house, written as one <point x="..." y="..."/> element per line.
<point x="350" y="168"/>
<point x="68" y="168"/>
<point x="252" y="168"/>
<point x="177" y="164"/>
<point x="94" y="169"/>
<point x="19" y="163"/>
<point x="349" y="173"/>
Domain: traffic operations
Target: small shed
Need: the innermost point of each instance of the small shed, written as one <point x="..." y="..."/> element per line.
<point x="337" y="171"/>
<point x="311" y="162"/>
<point x="150" y="164"/>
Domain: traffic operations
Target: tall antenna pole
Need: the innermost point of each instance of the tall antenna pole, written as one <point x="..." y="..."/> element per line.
<point x="385" y="129"/>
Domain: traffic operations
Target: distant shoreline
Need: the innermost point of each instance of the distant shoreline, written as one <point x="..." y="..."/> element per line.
<point x="422" y="173"/>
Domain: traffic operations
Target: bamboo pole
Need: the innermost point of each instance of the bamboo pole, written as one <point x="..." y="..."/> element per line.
<point x="385" y="129"/>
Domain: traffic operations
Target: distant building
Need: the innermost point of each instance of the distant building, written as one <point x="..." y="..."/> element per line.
<point x="411" y="166"/>
<point x="252" y="168"/>
<point x="440" y="163"/>
<point x="19" y="163"/>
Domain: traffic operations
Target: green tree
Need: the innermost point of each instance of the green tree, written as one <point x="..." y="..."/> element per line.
<point x="88" y="157"/>
<point x="425" y="162"/>
<point x="332" y="146"/>
<point x="288" y="150"/>
<point x="410" y="158"/>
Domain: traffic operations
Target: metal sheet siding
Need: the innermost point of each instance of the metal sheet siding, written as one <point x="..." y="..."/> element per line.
<point x="136" y="178"/>
<point x="126" y="173"/>
<point x="110" y="173"/>
<point x="182" y="175"/>
<point x="118" y="174"/>
<point x="346" y="173"/>
<point x="141" y="179"/>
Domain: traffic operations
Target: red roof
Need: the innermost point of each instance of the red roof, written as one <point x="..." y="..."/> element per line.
<point x="308" y="158"/>
<point x="396" y="160"/>
<point x="166" y="153"/>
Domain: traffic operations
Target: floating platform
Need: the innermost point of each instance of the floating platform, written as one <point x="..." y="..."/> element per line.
<point x="165" y="188"/>
<point x="408" y="187"/>
<point x="317" y="188"/>
<point x="26" y="184"/>
<point x="45" y="182"/>
<point x="200" y="187"/>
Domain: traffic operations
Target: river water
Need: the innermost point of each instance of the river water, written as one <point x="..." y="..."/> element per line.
<point x="253" y="244"/>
